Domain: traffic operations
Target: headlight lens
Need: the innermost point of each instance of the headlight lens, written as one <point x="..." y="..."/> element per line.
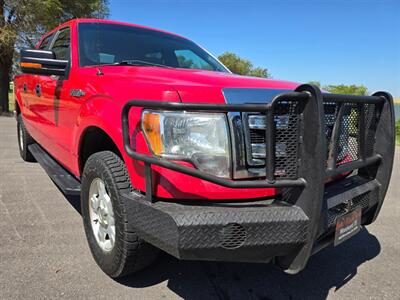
<point x="200" y="138"/>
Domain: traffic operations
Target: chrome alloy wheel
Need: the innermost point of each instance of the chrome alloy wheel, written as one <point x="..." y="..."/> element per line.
<point x="101" y="215"/>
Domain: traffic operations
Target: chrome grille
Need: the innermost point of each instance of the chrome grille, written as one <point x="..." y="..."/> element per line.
<point x="257" y="136"/>
<point x="286" y="117"/>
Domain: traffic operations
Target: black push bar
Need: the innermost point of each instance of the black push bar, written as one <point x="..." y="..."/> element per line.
<point x="266" y="109"/>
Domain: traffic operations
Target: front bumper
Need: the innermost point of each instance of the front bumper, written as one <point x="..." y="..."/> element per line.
<point x="249" y="231"/>
<point x="291" y="228"/>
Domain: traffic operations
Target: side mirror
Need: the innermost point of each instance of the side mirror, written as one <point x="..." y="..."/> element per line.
<point x="34" y="61"/>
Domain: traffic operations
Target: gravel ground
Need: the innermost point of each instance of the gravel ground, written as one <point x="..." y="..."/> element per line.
<point x="43" y="252"/>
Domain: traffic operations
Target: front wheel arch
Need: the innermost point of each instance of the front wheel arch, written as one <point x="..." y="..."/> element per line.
<point x="93" y="140"/>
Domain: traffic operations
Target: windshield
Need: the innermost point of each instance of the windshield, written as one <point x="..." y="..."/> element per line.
<point x="105" y="44"/>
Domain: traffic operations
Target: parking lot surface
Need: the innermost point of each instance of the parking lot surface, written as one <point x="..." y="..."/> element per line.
<point x="44" y="254"/>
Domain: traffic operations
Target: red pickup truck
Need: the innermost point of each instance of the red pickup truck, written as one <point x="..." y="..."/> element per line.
<point x="169" y="150"/>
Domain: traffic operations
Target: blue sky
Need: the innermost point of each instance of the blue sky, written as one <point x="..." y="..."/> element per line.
<point x="333" y="41"/>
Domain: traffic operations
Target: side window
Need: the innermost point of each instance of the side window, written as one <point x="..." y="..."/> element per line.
<point x="189" y="60"/>
<point x="61" y="44"/>
<point x="154" y="57"/>
<point x="46" y="42"/>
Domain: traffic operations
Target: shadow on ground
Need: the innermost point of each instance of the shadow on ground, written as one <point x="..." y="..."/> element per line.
<point x="330" y="269"/>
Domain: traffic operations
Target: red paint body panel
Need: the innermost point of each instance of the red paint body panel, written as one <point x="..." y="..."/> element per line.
<point x="58" y="121"/>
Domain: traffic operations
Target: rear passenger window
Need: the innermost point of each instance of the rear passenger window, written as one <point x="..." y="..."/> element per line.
<point x="46" y="42"/>
<point x="155" y="57"/>
<point x="61" y="44"/>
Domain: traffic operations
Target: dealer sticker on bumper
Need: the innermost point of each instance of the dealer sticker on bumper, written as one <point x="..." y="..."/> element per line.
<point x="348" y="225"/>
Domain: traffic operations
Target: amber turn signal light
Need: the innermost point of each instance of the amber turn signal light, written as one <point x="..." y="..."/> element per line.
<point x="151" y="127"/>
<point x="30" y="65"/>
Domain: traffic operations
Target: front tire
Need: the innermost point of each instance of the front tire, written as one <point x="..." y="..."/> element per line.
<point x="24" y="140"/>
<point x="116" y="249"/>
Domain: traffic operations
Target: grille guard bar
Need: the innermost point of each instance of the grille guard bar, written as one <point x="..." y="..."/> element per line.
<point x="314" y="167"/>
<point x="173" y="106"/>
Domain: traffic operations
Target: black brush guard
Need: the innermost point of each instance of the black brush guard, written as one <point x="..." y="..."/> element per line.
<point x="292" y="227"/>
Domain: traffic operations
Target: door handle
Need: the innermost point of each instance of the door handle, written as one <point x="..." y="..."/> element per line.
<point x="38" y="90"/>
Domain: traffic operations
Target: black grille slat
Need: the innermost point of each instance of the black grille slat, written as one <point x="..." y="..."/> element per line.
<point x="354" y="137"/>
<point x="286" y="137"/>
<point x="370" y="127"/>
<point x="349" y="134"/>
<point x="349" y="142"/>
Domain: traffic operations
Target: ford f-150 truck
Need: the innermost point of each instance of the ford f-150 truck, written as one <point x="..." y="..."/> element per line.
<point x="169" y="150"/>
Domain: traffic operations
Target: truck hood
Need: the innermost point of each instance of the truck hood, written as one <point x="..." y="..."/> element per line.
<point x="200" y="86"/>
<point x="218" y="87"/>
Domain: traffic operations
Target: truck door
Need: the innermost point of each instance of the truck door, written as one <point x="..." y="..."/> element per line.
<point x="53" y="99"/>
<point x="30" y="94"/>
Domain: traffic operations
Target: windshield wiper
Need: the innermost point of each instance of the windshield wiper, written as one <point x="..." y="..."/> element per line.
<point x="136" y="62"/>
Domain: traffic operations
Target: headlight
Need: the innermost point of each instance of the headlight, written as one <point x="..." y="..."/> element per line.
<point x="199" y="138"/>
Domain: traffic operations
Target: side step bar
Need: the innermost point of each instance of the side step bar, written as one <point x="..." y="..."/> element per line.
<point x="68" y="184"/>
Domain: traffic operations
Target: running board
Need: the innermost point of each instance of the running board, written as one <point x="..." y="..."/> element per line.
<point x="68" y="184"/>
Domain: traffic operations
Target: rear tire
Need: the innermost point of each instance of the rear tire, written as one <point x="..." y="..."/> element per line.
<point x="118" y="251"/>
<point x="24" y="140"/>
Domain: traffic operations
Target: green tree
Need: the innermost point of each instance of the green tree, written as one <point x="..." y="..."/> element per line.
<point x="347" y="89"/>
<point x="242" y="66"/>
<point x="184" y="63"/>
<point x="22" y="22"/>
<point x="259" y="72"/>
<point x="316" y="83"/>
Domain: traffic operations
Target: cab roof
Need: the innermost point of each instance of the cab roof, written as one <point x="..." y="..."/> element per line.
<point x="106" y="21"/>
